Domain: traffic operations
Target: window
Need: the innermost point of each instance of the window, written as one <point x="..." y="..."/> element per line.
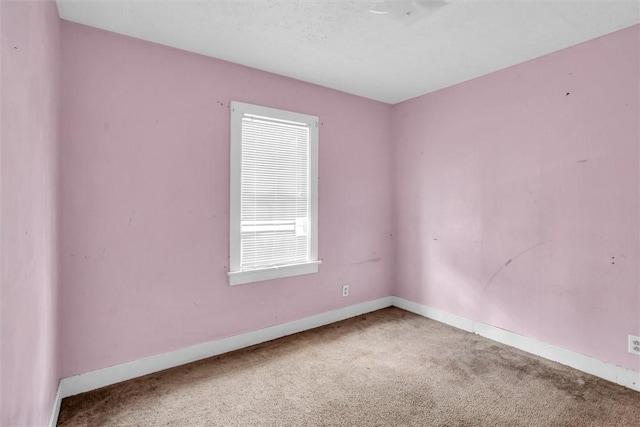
<point x="274" y="194"/>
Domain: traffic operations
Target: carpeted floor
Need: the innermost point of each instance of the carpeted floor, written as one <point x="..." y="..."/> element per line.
<point x="388" y="368"/>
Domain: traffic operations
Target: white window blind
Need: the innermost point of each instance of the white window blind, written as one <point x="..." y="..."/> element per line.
<point x="273" y="208"/>
<point x="274" y="192"/>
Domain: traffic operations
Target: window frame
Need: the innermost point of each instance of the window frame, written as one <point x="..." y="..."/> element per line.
<point x="236" y="275"/>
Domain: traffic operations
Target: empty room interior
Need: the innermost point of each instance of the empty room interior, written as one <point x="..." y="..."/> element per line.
<point x="463" y="246"/>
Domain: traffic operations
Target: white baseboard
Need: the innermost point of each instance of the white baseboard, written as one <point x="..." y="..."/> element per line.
<point x="114" y="374"/>
<point x="53" y="421"/>
<point x="608" y="371"/>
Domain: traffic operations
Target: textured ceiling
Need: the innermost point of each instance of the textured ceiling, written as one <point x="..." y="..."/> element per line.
<point x="389" y="51"/>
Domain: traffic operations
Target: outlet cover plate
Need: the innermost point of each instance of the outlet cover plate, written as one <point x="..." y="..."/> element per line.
<point x="634" y="345"/>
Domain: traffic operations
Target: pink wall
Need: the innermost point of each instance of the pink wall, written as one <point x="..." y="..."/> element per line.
<point x="145" y="194"/>
<point x="28" y="281"/>
<point x="517" y="198"/>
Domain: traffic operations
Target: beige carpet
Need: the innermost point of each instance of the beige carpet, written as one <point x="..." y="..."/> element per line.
<point x="388" y="368"/>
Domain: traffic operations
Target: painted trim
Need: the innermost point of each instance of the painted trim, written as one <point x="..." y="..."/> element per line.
<point x="55" y="413"/>
<point x="251" y="276"/>
<point x="114" y="374"/>
<point x="608" y="371"/>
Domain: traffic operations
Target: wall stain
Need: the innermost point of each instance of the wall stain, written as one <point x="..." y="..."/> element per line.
<point x="367" y="261"/>
<point x="509" y="261"/>
<point x="582" y="161"/>
<point x="133" y="213"/>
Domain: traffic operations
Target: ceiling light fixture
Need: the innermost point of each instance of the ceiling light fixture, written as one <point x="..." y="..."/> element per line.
<point x="406" y="12"/>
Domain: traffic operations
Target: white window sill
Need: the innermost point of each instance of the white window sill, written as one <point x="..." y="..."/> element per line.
<point x="250" y="276"/>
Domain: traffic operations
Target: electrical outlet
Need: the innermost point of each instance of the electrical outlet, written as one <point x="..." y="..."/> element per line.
<point x="345" y="290"/>
<point x="634" y="345"/>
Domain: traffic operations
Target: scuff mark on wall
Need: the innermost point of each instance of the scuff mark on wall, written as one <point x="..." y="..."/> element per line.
<point x="510" y="260"/>
<point x="367" y="261"/>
